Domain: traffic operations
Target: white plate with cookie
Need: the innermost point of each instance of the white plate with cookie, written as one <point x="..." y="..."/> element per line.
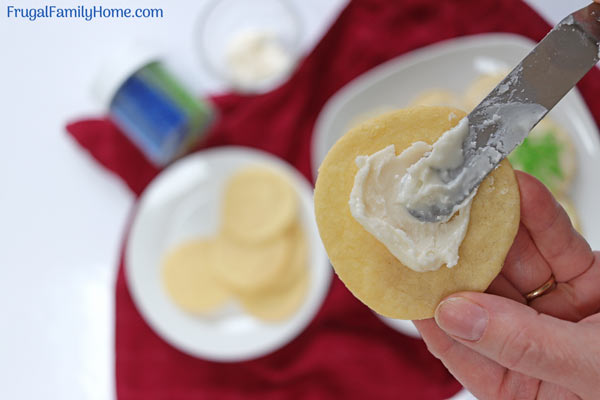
<point x="193" y="219"/>
<point x="451" y="67"/>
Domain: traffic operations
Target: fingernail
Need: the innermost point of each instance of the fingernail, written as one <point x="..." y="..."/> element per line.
<point x="462" y="318"/>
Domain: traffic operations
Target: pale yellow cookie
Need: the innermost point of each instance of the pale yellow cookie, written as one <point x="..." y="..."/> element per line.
<point x="280" y="304"/>
<point x="367" y="115"/>
<point x="296" y="264"/>
<point x="365" y="265"/>
<point x="187" y="277"/>
<point x="481" y="87"/>
<point x="437" y="97"/>
<point x="282" y="297"/>
<point x="258" y="204"/>
<point x="249" y="267"/>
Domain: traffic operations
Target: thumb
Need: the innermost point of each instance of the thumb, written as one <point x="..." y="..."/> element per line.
<point x="520" y="339"/>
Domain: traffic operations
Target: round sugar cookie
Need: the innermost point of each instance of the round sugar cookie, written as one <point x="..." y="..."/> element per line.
<point x="279" y="304"/>
<point x="285" y="294"/>
<point x="367" y="115"/>
<point x="437" y="97"/>
<point x="259" y="203"/>
<point x="249" y="267"/>
<point x="188" y="279"/>
<point x="365" y="265"/>
<point x="295" y="266"/>
<point x="481" y="87"/>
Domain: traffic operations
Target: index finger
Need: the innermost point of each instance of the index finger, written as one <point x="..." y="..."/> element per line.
<point x="566" y="251"/>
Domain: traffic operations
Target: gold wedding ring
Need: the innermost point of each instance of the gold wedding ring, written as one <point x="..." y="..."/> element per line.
<point x="547" y="286"/>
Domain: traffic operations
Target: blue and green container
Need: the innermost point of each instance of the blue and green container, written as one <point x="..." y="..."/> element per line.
<point x="151" y="107"/>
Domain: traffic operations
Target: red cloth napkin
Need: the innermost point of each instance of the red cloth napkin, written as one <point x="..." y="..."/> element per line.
<point x="346" y="352"/>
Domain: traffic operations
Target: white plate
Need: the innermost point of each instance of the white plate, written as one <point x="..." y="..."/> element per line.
<point x="453" y="64"/>
<point x="183" y="202"/>
<point x="401" y="325"/>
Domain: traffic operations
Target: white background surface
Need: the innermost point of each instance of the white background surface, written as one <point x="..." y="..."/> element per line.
<point x="61" y="216"/>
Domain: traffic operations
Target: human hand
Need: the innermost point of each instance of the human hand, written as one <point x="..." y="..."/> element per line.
<point x="500" y="347"/>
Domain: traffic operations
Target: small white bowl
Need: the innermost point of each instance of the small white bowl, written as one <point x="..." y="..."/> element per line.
<point x="223" y="20"/>
<point x="184" y="202"/>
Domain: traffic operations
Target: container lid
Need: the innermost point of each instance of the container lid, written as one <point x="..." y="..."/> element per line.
<point x="118" y="66"/>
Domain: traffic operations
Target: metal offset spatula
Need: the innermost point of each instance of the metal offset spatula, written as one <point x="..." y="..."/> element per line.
<point x="504" y="118"/>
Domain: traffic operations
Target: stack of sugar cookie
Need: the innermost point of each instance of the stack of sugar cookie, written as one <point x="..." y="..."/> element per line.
<point x="258" y="258"/>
